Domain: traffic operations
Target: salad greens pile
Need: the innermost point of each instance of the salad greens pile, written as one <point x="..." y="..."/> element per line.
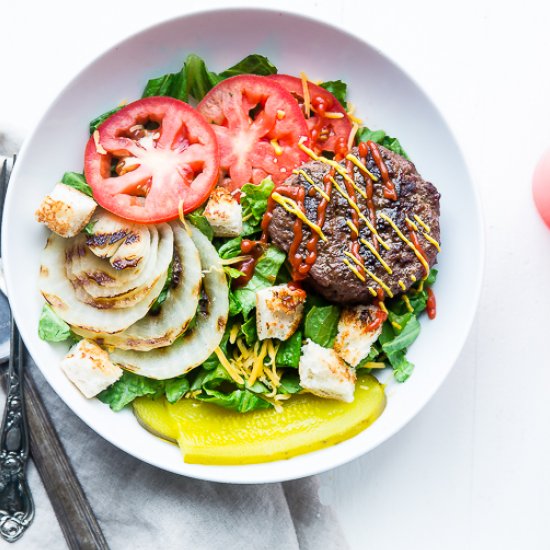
<point x="211" y="382"/>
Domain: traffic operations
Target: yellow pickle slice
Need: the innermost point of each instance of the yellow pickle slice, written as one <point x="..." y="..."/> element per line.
<point x="208" y="434"/>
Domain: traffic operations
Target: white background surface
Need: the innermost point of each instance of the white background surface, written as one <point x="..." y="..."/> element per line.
<point x="472" y="469"/>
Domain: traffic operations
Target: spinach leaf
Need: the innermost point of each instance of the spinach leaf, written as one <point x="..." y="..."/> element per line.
<point x="402" y="367"/>
<point x="404" y="337"/>
<point x="380" y="137"/>
<point x="264" y="276"/>
<point x="127" y="388"/>
<point x="176" y="388"/>
<point x="251" y="64"/>
<point x="51" y="327"/>
<point x="76" y="180"/>
<point x="432" y="276"/>
<point x="96" y="122"/>
<point x="290" y="383"/>
<point x="338" y="89"/>
<point x="321" y="325"/>
<point x="200" y="222"/>
<point x="288" y="354"/>
<point x="254" y="204"/>
<point x="229" y="249"/>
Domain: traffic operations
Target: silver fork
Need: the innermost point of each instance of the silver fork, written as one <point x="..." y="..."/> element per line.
<point x="16" y="504"/>
<point x="74" y="513"/>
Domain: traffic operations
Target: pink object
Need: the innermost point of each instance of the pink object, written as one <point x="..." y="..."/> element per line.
<point x="541" y="187"/>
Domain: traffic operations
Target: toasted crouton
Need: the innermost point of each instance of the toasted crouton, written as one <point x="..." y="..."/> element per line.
<point x="354" y="338"/>
<point x="324" y="373"/>
<point x="66" y="211"/>
<point x="224" y="213"/>
<point x="90" y="368"/>
<point x="279" y="310"/>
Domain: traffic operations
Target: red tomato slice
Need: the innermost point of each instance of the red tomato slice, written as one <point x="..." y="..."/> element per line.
<point x="327" y="132"/>
<point x="149" y="156"/>
<point x="258" y="125"/>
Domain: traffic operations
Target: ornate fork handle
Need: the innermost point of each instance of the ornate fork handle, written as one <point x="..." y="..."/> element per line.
<point x="16" y="504"/>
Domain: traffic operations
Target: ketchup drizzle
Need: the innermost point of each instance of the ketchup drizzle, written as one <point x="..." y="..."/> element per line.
<point x="389" y="187"/>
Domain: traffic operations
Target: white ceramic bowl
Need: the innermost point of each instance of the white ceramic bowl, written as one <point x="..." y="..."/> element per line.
<point x="382" y="92"/>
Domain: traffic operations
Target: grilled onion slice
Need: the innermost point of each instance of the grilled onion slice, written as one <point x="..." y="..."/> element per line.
<point x="97" y="278"/>
<point x="195" y="346"/>
<point x="61" y="295"/>
<point x="154" y="331"/>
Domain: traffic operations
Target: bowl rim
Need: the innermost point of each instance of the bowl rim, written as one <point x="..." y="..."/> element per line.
<point x="313" y="467"/>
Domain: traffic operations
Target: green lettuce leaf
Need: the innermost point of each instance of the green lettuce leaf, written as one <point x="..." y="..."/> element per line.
<point x="288" y="354"/>
<point x="171" y="85"/>
<point x="200" y="222"/>
<point x="127" y="388"/>
<point x="380" y="137"/>
<point x="251" y="64"/>
<point x="199" y="79"/>
<point x="321" y="325"/>
<point x="51" y="327"/>
<point x="240" y="400"/>
<point x="76" y="180"/>
<point x="249" y="331"/>
<point x="264" y="276"/>
<point x="96" y="122"/>
<point x="254" y="204"/>
<point x="219" y="389"/>
<point x="176" y="388"/>
<point x="338" y="89"/>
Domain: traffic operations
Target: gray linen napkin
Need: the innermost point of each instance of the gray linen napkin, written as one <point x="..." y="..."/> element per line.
<point x="141" y="507"/>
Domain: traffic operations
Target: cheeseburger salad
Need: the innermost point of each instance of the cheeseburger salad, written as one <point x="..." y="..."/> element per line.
<point x="237" y="260"/>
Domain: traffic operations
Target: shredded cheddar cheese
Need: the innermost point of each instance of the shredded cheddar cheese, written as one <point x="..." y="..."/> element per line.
<point x="402" y="285"/>
<point x="98" y="147"/>
<point x="258" y="363"/>
<point x="305" y="91"/>
<point x="350" y="112"/>
<point x="352" y="134"/>
<point x="228" y="366"/>
<point x="276" y="147"/>
<point x="372" y="291"/>
<point x="383" y="307"/>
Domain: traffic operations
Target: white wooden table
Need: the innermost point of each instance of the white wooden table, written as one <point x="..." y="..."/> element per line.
<point x="472" y="470"/>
